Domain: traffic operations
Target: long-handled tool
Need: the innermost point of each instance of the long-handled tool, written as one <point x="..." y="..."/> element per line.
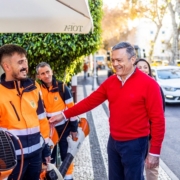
<point x="52" y="172"/>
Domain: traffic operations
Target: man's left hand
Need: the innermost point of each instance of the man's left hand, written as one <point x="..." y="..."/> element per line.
<point x="151" y="161"/>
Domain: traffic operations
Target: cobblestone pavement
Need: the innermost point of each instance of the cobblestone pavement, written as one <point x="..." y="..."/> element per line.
<point x="91" y="160"/>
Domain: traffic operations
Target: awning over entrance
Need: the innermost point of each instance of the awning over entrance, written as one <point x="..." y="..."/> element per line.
<point x="45" y="16"/>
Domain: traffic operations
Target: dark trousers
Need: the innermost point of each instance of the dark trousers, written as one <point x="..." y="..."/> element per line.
<point x="126" y="158"/>
<point x="63" y="144"/>
<point x="31" y="169"/>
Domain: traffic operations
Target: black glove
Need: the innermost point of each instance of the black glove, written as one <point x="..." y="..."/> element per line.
<point x="46" y="152"/>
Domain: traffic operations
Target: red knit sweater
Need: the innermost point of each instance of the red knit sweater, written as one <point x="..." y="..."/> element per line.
<point x="131" y="107"/>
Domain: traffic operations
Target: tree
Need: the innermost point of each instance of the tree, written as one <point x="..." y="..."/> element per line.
<point x="175" y="14"/>
<point x="155" y="11"/>
<point x="117" y="28"/>
<point x="63" y="52"/>
<point x="115" y="25"/>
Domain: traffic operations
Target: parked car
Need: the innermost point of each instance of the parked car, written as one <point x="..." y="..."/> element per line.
<point x="156" y="62"/>
<point x="165" y="62"/>
<point x="168" y="77"/>
<point x="177" y="61"/>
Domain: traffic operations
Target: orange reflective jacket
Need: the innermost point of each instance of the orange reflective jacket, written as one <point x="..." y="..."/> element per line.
<point x="54" y="104"/>
<point x="22" y="113"/>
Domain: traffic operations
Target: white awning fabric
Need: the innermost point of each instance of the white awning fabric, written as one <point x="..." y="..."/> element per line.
<point x="45" y="16"/>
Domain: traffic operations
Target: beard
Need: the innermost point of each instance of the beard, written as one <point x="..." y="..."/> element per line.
<point x="18" y="76"/>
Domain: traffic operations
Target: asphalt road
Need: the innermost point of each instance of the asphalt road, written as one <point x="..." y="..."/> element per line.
<point x="170" y="153"/>
<point x="171" y="146"/>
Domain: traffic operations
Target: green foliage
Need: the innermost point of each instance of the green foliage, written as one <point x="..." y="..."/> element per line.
<point x="63" y="52"/>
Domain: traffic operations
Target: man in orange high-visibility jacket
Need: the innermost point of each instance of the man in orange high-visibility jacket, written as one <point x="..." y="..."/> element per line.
<point x="22" y="112"/>
<point x="55" y="103"/>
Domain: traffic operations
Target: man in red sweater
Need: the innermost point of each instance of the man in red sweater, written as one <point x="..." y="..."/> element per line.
<point x="134" y="100"/>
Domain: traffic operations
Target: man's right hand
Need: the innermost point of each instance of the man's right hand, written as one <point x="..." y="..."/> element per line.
<point x="56" y="119"/>
<point x="151" y="161"/>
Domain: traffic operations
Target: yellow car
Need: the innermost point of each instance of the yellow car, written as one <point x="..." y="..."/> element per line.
<point x="177" y="62"/>
<point x="156" y="63"/>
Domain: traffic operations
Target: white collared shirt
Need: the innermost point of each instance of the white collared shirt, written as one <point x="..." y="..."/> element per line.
<point x="123" y="82"/>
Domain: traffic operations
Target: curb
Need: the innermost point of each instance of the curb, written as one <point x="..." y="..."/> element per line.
<point x="168" y="171"/>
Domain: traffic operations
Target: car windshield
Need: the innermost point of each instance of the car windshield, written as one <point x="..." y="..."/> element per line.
<point x="100" y="58"/>
<point x="168" y="74"/>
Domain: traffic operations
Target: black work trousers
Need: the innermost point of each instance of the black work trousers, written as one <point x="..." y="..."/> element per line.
<point x="63" y="144"/>
<point x="31" y="169"/>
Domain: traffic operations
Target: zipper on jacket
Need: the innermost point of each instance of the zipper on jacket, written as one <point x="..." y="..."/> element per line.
<point x="15" y="110"/>
<point x="17" y="87"/>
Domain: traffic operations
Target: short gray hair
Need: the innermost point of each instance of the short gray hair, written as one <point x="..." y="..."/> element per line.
<point x="42" y="64"/>
<point x="125" y="45"/>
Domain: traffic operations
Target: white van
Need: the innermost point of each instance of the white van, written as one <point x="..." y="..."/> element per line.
<point x="100" y="60"/>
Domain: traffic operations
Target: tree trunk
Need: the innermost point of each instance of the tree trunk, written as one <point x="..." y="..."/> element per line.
<point x="175" y="43"/>
<point x="154" y="40"/>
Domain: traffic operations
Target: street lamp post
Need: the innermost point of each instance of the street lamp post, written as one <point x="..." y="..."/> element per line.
<point x="94" y="85"/>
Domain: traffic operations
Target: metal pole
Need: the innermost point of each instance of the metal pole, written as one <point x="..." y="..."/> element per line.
<point x="74" y="88"/>
<point x="94" y="85"/>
